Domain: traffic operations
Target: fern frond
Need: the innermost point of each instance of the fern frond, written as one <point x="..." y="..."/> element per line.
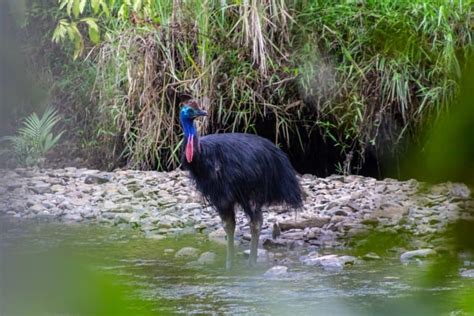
<point x="35" y="137"/>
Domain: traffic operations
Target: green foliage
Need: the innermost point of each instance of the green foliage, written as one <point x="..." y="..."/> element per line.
<point x="87" y="12"/>
<point x="144" y="66"/>
<point x="378" y="70"/>
<point x="35" y="139"/>
<point x="449" y="150"/>
<point x="364" y="74"/>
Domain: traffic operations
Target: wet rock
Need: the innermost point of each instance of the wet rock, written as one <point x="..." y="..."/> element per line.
<point x="207" y="257"/>
<point x="262" y="255"/>
<point x="154" y="235"/>
<point x="41" y="188"/>
<point x="328" y="262"/>
<point x="459" y="190"/>
<point x="13" y="186"/>
<point x="72" y="217"/>
<point x="96" y="179"/>
<point x="122" y="219"/>
<point x="337" y="219"/>
<point x="417" y="254"/>
<point x="141" y="193"/>
<point x="78" y="201"/>
<point x="109" y="205"/>
<point x="313" y="233"/>
<point x="392" y="213"/>
<point x="165" y="224"/>
<point x="297" y="234"/>
<point x="468" y="274"/>
<point x="36" y="208"/>
<point x="65" y="205"/>
<point x="340" y="213"/>
<point x="269" y="243"/>
<point x="189" y="207"/>
<point x="296" y="244"/>
<point x="315" y="221"/>
<point x="200" y="227"/>
<point x="57" y="188"/>
<point x="348" y="260"/>
<point x="371" y="256"/>
<point x="187" y="252"/>
<point x="370" y="221"/>
<point x="276" y="271"/>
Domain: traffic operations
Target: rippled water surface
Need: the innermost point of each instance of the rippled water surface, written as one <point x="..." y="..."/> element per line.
<point x="68" y="262"/>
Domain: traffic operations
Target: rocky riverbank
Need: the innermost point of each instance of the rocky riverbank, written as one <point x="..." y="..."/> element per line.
<point x="163" y="203"/>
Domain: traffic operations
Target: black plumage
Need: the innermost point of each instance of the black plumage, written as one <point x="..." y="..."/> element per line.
<point x="234" y="168"/>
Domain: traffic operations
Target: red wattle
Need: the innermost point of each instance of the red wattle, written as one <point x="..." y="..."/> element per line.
<point x="190" y="148"/>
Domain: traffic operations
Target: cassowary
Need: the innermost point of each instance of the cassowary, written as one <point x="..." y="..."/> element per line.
<point x="234" y="168"/>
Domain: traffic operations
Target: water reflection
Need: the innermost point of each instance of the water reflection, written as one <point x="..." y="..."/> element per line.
<point x="62" y="266"/>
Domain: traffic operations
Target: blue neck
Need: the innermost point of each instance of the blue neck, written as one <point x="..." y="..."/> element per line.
<point x="188" y="127"/>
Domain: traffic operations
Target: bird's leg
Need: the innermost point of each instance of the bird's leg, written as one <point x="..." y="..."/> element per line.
<point x="229" y="227"/>
<point x="255" y="228"/>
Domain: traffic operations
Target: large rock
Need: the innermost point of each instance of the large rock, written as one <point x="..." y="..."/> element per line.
<point x="96" y="179"/>
<point x="72" y="217"/>
<point x="36" y="208"/>
<point x="391" y="214"/>
<point x="109" y="205"/>
<point x="371" y="256"/>
<point x="187" y="252"/>
<point x="269" y="243"/>
<point x="328" y="262"/>
<point x="276" y="271"/>
<point x="57" y="188"/>
<point x="459" y="190"/>
<point x="41" y="188"/>
<point x="207" y="257"/>
<point x="468" y="274"/>
<point x="409" y="256"/>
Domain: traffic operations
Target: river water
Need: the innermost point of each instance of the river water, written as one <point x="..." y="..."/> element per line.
<point x="51" y="268"/>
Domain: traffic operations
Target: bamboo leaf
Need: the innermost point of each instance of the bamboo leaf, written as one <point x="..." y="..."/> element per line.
<point x="82" y="6"/>
<point x="63" y="3"/>
<point x="137" y="5"/>
<point x="105" y="7"/>
<point x="94" y="34"/>
<point x="76" y="8"/>
<point x="70" y="4"/>
<point x="123" y="11"/>
<point x="60" y="31"/>
<point x="95" y="4"/>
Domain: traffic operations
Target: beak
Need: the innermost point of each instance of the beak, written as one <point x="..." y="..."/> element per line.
<point x="201" y="113"/>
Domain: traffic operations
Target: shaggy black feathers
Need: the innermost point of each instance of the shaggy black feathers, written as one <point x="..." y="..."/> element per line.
<point x="243" y="169"/>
